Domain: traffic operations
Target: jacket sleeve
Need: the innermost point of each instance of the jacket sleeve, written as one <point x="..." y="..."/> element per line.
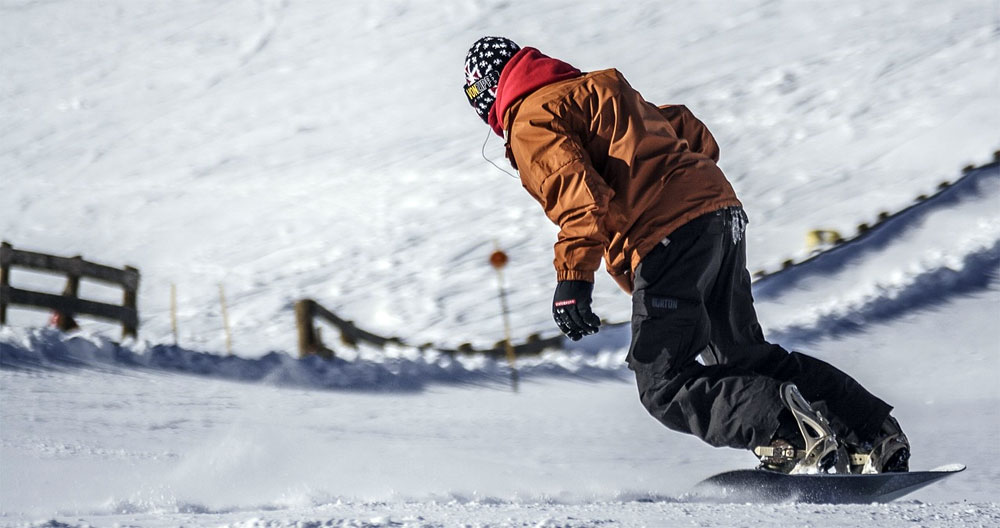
<point x="690" y="128"/>
<point x="557" y="172"/>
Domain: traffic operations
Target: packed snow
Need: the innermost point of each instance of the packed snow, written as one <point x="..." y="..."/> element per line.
<point x="297" y="148"/>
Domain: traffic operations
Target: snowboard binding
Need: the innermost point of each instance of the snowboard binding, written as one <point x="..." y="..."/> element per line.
<point x="822" y="451"/>
<point x="889" y="453"/>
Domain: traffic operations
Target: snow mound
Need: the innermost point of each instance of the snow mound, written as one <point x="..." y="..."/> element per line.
<point x="391" y="369"/>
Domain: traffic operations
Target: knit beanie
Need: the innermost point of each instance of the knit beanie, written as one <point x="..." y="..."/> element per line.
<point x="483" y="65"/>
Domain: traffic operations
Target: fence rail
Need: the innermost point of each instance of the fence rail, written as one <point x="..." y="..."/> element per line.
<point x="69" y="304"/>
<point x="311" y="342"/>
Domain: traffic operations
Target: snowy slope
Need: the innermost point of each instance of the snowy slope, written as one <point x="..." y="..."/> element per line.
<point x="287" y="149"/>
<point x="324" y="149"/>
<point x="105" y="441"/>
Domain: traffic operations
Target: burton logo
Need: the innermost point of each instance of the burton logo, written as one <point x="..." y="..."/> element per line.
<point x="665" y="303"/>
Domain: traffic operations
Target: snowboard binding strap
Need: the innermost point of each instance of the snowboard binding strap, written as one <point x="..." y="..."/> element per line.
<point x="822" y="451"/>
<point x="777" y="454"/>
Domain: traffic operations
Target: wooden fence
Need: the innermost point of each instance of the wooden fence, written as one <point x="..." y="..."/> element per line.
<point x="69" y="304"/>
<point x="311" y="342"/>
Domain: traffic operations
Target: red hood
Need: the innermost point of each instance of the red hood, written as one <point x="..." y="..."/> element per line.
<point x="527" y="71"/>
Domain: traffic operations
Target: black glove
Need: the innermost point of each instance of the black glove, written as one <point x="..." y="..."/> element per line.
<point x="571" y="309"/>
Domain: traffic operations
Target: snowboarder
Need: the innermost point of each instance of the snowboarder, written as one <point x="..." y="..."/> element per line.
<point x="639" y="184"/>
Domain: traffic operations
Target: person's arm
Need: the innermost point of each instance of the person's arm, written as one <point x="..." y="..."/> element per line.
<point x="556" y="171"/>
<point x="690" y="128"/>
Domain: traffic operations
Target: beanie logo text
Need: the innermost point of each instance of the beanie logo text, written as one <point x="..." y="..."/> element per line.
<point x="482" y="85"/>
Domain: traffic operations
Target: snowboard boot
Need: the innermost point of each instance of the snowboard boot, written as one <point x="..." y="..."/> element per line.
<point x="814" y="449"/>
<point x="888" y="453"/>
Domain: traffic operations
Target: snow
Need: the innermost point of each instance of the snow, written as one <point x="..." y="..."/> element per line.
<point x="298" y="148"/>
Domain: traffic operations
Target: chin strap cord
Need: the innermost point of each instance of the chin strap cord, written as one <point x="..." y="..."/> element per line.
<point x="499" y="168"/>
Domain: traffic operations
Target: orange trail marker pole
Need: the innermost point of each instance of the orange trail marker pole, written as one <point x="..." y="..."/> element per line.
<point x="498" y="260"/>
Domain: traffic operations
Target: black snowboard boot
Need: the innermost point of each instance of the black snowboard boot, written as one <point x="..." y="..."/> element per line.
<point x="814" y="448"/>
<point x="889" y="452"/>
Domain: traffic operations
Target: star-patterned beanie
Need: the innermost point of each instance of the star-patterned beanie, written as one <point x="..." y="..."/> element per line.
<point x="483" y="65"/>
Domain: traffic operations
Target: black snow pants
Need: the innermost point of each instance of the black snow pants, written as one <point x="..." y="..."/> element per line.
<point x="692" y="300"/>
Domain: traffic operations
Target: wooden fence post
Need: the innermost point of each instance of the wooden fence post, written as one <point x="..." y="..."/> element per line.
<point x="130" y="327"/>
<point x="310" y="338"/>
<point x="64" y="320"/>
<point x="5" y="256"/>
<point x="304" y="310"/>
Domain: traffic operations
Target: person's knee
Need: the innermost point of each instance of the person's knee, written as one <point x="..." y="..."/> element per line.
<point x="761" y="358"/>
<point x="659" y="397"/>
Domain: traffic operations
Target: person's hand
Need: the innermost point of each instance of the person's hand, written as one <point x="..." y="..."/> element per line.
<point x="571" y="309"/>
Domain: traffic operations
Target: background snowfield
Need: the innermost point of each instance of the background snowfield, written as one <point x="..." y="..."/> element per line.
<point x="289" y="149"/>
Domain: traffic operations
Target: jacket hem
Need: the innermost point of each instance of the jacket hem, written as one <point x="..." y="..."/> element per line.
<point x="565" y="275"/>
<point x="642" y="250"/>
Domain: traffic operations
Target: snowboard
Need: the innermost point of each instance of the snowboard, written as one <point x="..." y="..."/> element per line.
<point x="758" y="485"/>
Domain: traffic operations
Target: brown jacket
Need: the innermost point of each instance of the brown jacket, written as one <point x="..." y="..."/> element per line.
<point x="614" y="172"/>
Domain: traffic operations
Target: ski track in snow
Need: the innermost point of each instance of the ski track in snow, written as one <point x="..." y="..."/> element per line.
<point x="496" y="514"/>
<point x="941" y="248"/>
<point x="975" y="272"/>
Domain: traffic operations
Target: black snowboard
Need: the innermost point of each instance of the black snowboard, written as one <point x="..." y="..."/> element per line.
<point x="756" y="485"/>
